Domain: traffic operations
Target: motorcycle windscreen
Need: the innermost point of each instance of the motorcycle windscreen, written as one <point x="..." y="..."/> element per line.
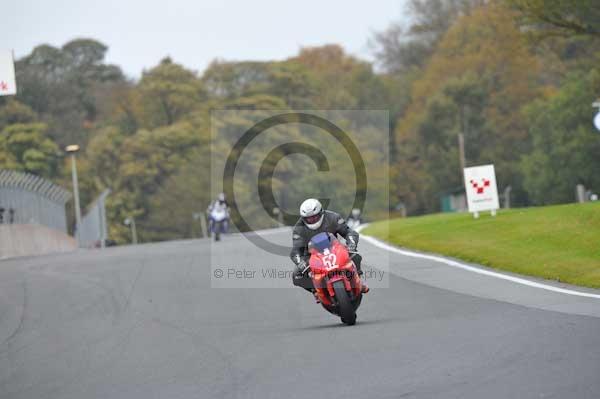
<point x="321" y="242"/>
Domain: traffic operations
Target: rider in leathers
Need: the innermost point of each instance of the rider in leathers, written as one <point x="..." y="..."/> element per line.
<point x="219" y="204"/>
<point x="314" y="220"/>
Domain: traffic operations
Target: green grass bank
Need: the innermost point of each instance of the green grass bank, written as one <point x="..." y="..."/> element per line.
<point x="559" y="243"/>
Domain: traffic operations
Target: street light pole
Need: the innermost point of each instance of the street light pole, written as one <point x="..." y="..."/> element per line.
<point x="461" y="151"/>
<point x="461" y="143"/>
<point x="73" y="149"/>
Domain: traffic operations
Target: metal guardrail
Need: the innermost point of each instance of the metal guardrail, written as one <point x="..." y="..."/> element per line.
<point x="26" y="198"/>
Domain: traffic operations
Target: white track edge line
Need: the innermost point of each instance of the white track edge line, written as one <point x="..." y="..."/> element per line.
<point x="388" y="247"/>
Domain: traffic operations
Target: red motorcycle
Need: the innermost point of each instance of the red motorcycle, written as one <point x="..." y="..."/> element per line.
<point x="335" y="277"/>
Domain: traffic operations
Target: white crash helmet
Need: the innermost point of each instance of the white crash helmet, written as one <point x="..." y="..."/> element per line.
<point x="311" y="212"/>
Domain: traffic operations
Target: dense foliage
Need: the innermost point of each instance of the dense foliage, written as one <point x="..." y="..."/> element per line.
<point x="516" y="77"/>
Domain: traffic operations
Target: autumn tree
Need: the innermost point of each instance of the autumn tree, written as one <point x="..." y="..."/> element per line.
<point x="333" y="71"/>
<point x="479" y="78"/>
<point x="404" y="46"/>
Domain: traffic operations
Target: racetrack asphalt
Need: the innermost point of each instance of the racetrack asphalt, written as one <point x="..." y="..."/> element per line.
<point x="143" y="322"/>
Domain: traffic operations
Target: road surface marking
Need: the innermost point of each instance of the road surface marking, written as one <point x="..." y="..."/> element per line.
<point x="459" y="265"/>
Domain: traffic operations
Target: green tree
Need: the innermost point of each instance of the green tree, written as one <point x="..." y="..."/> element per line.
<point x="183" y="194"/>
<point x="62" y="86"/>
<point x="26" y="148"/>
<point x="565" y="143"/>
<point x="168" y="92"/>
<point x="565" y="17"/>
<point x="137" y="167"/>
<point x="13" y="111"/>
<point x="227" y="80"/>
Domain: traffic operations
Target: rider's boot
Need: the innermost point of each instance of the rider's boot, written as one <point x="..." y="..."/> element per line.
<point x="316" y="296"/>
<point x="363" y="282"/>
<point x="357" y="261"/>
<point x="364" y="287"/>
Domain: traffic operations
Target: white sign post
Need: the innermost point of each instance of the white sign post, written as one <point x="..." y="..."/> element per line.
<point x="8" y="83"/>
<point x="481" y="189"/>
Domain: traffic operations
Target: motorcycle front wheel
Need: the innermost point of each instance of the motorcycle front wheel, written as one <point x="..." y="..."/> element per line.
<point x="217" y="230"/>
<point x="345" y="306"/>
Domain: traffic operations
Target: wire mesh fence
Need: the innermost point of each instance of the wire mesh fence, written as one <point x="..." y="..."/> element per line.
<point x="30" y="199"/>
<point x="93" y="232"/>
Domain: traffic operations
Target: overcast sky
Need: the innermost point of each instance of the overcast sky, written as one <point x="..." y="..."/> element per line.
<point x="194" y="32"/>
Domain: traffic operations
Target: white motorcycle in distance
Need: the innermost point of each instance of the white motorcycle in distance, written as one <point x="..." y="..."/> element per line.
<point x="354" y="220"/>
<point x="219" y="218"/>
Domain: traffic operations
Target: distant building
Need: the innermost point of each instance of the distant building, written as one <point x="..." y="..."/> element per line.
<point x="454" y="200"/>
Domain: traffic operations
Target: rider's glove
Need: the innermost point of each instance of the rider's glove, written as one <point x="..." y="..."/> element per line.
<point x="302" y="268"/>
<point x="351" y="244"/>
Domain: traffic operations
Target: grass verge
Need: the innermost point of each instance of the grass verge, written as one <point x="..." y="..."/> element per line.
<point x="559" y="243"/>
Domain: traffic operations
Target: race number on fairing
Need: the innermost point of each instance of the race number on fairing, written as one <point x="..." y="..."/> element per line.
<point x="330" y="261"/>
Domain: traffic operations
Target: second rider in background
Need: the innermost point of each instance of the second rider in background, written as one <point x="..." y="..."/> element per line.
<point x="218" y="212"/>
